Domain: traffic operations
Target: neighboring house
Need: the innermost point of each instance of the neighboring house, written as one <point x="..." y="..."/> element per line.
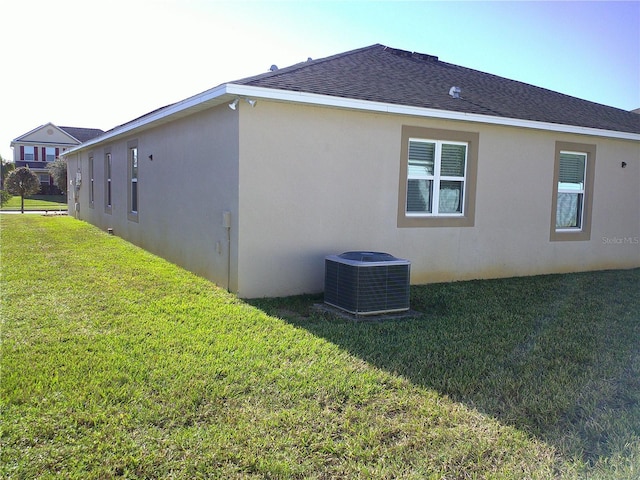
<point x="466" y="174"/>
<point x="44" y="144"/>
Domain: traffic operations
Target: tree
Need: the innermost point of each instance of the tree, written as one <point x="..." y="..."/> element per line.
<point x="7" y="167"/>
<point x="22" y="182"/>
<point x="58" y="171"/>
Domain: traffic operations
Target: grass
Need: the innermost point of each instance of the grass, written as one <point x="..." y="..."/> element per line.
<point x="555" y="356"/>
<point x="37" y="202"/>
<point x="127" y="366"/>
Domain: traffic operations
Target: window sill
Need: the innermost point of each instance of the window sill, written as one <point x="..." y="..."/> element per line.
<point x="434" y="215"/>
<point x="426" y="221"/>
<point x="569" y="235"/>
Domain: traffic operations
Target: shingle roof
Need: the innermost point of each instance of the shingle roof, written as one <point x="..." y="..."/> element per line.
<point x="382" y="74"/>
<point x="146" y="115"/>
<point x="82" y="134"/>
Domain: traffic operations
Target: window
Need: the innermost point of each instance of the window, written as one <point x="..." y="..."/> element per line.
<point x="133" y="180"/>
<point x="107" y="186"/>
<point x="437" y="177"/>
<point x="29" y="153"/>
<point x="573" y="191"/>
<point x="571" y="178"/>
<point x="44" y="179"/>
<point x="91" y="182"/>
<point x="50" y="154"/>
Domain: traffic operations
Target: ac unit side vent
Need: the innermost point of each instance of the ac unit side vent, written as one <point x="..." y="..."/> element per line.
<point x="368" y="284"/>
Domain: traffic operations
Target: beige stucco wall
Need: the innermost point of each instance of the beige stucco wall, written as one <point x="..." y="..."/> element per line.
<point x="317" y="181"/>
<point x="183" y="191"/>
<point x="302" y="182"/>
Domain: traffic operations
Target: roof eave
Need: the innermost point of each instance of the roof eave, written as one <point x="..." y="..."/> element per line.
<point x="222" y="93"/>
<point x="19" y="139"/>
<point x="202" y="101"/>
<point x="381" y="107"/>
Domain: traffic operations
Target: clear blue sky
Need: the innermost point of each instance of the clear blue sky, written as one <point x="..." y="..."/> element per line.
<point x="89" y="64"/>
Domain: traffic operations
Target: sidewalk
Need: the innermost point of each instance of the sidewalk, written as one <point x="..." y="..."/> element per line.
<point x="39" y="212"/>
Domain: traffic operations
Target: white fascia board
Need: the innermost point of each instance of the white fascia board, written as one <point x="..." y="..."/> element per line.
<point x="354" y="104"/>
<point x="213" y="96"/>
<point x="159" y="116"/>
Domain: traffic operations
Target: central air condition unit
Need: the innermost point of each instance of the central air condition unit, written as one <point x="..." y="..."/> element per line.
<point x="367" y="283"/>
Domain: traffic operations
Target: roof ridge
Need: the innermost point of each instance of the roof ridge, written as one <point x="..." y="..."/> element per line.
<point x="300" y="65"/>
<point x="409" y="54"/>
<point x="390" y="75"/>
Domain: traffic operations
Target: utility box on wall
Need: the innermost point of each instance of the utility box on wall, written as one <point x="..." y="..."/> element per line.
<point x="367" y="283"/>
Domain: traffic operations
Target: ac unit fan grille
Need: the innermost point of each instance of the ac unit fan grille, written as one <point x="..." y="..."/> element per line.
<point x="359" y="288"/>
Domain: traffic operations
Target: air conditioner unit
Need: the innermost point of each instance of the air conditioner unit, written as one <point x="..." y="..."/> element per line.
<point x="367" y="283"/>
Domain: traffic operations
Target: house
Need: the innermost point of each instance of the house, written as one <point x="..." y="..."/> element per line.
<point x="467" y="175"/>
<point x="44" y="144"/>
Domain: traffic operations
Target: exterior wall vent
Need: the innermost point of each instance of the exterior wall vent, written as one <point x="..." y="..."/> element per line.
<point x="367" y="283"/>
<point x="455" y="92"/>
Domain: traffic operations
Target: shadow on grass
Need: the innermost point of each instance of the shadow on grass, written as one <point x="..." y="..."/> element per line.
<point x="557" y="356"/>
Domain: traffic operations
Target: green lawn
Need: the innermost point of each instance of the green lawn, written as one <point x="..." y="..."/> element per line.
<point x="37" y="202"/>
<point x="116" y="363"/>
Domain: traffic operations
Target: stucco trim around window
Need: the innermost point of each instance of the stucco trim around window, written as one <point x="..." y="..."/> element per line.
<point x="584" y="232"/>
<point x="467" y="219"/>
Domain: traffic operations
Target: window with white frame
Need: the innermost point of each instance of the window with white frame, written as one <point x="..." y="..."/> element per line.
<point x="573" y="182"/>
<point x="571" y="189"/>
<point x="107" y="169"/>
<point x="436" y="177"/>
<point x="50" y="154"/>
<point x="44" y="179"/>
<point x="91" y="182"/>
<point x="133" y="179"/>
<point x="29" y="153"/>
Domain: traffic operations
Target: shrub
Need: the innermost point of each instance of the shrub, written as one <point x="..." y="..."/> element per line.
<point x="4" y="197"/>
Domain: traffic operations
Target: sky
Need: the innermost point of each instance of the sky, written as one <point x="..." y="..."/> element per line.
<point x="98" y="64"/>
